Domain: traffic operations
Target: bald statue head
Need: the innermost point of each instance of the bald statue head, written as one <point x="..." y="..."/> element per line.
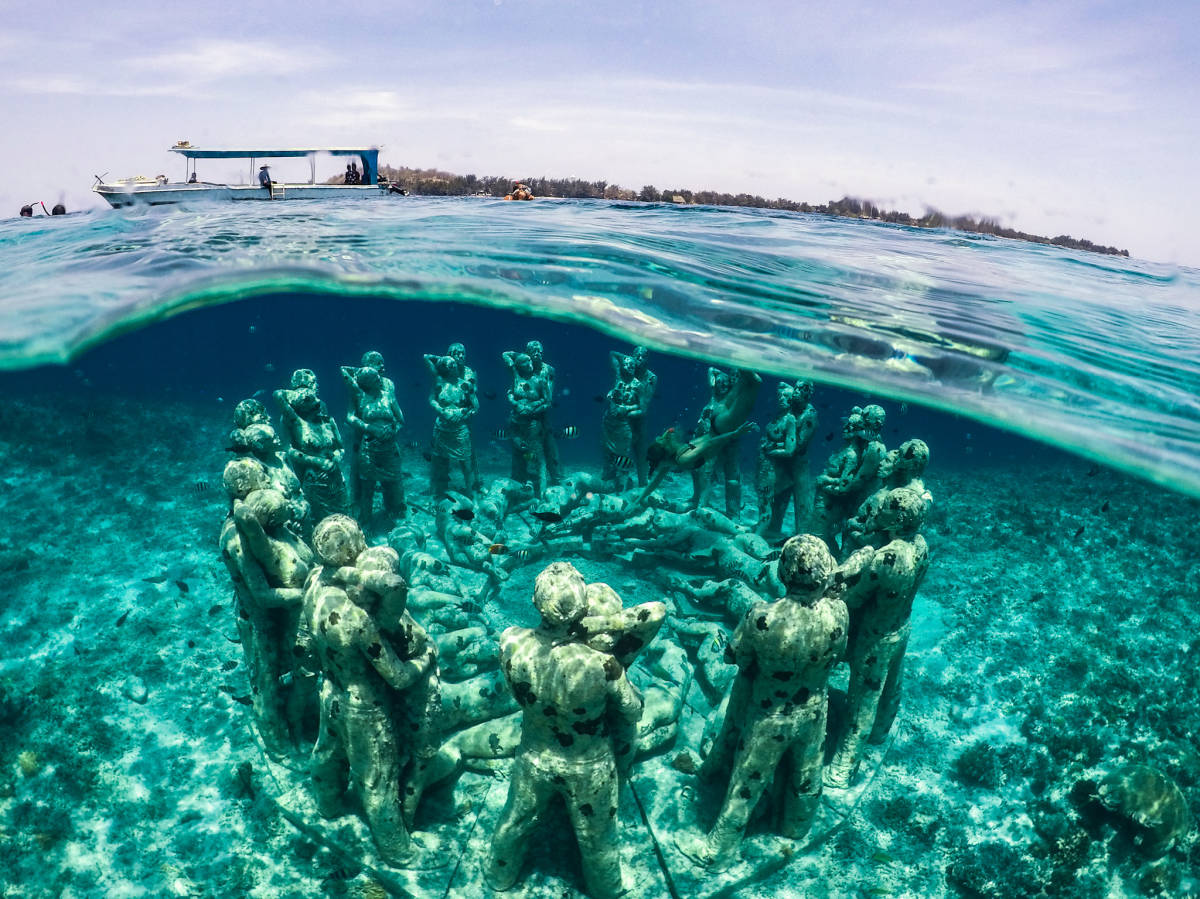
<point x="806" y="567"/>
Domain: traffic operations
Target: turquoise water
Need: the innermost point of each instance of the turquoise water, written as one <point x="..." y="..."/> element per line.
<point x="1098" y="355"/>
<point x="1053" y="640"/>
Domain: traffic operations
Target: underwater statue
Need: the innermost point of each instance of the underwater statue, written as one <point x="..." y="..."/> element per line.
<point x="315" y="454"/>
<point x="572" y="697"/>
<point x="851" y="473"/>
<point x="260" y="442"/>
<point x="370" y="359"/>
<point x="731" y="400"/>
<point x="773" y="734"/>
<point x="250" y="412"/>
<point x="622" y="406"/>
<point x="376" y="420"/>
<point x="365" y="679"/>
<point x="542" y="374"/>
<point x="465" y="545"/>
<point x="782" y="476"/>
<point x="529" y="401"/>
<point x="454" y="405"/>
<point x="268" y="564"/>
<point x="634" y="369"/>
<point x="243" y="475"/>
<point x="880" y="585"/>
<point x="901" y="467"/>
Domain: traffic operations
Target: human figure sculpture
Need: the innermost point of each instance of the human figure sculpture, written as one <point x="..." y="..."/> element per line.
<point x="465" y="545"/>
<point x="730" y="403"/>
<point x="901" y="467"/>
<point x="880" y="586"/>
<point x="572" y="697"/>
<point x="774" y="724"/>
<point x="529" y="399"/>
<point x="268" y="564"/>
<point x="376" y="419"/>
<point x="260" y="442"/>
<point x="454" y="404"/>
<point x="243" y="475"/>
<point x="851" y="473"/>
<point x="370" y="359"/>
<point x="458" y="353"/>
<point x="315" y="454"/>
<point x="363" y="673"/>
<point x="634" y="369"/>
<point x="543" y="371"/>
<point x="783" y="460"/>
<point x="622" y="407"/>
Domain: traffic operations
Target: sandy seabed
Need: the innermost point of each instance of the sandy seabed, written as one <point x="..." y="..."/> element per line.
<point x="1055" y="639"/>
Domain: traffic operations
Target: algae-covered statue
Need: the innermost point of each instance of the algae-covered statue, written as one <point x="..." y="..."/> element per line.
<point x="376" y="420"/>
<point x="529" y="401"/>
<point x="571" y="697"/>
<point x="315" y="454"/>
<point x="621" y="408"/>
<point x="783" y="460"/>
<point x="774" y="725"/>
<point x="454" y="405"/>
<point x="901" y="467"/>
<point x="268" y="564"/>
<point x="850" y="474"/>
<point x="543" y="371"/>
<point x="634" y="369"/>
<point x="259" y="441"/>
<point x="880" y="585"/>
<point x="364" y="679"/>
<point x="730" y="403"/>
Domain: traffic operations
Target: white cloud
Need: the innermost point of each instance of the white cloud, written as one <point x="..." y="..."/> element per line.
<point x="212" y="60"/>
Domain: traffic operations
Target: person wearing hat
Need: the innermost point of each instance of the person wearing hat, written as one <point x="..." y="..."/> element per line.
<point x="264" y="176"/>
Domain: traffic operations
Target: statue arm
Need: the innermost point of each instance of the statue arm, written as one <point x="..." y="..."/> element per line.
<point x="396" y="672"/>
<point x="624" y="698"/>
<point x="395" y="407"/>
<point x="806" y="426"/>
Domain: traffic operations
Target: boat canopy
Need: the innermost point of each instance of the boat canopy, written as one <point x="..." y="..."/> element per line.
<point x="369" y="156"/>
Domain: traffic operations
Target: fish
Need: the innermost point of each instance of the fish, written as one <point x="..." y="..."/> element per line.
<point x="1078" y="533"/>
<point x="232" y="639"/>
<point x="157" y="579"/>
<point x="774" y="555"/>
<point x="882" y="858"/>
<point x="502" y="433"/>
<point x="622" y="463"/>
<point x="497" y="549"/>
<point x="229" y="666"/>
<point x="121" y="620"/>
<point x="427" y="456"/>
<point x="215" y="609"/>
<point x="462" y="514"/>
<point x="182" y="585"/>
<point x="1093" y="471"/>
<point x="414" y="444"/>
<point x="829" y="436"/>
<point x="488" y="394"/>
<point x="718" y="641"/>
<point x="599" y="398"/>
<point x="1106" y="506"/>
<point x="201" y="486"/>
<point x="548" y="516"/>
<point x="570" y="432"/>
<point x="244" y="700"/>
<point x="522" y="555"/>
<point x="226" y="688"/>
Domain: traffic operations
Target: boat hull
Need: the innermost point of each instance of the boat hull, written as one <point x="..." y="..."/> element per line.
<point x="124" y="195"/>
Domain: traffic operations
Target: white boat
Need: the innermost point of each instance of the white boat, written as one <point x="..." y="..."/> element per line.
<point x="141" y="190"/>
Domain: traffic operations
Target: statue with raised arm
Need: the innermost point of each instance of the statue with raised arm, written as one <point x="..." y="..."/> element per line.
<point x="730" y="403"/>
<point x="376" y="420"/>
<point x="572" y="699"/>
<point x="454" y="404"/>
<point x="850" y="475"/>
<point x="774" y="725"/>
<point x="315" y="454"/>
<point x="783" y="460"/>
<point x="621" y="407"/>
<point x="370" y="359"/>
<point x="634" y="368"/>
<point x="268" y="564"/>
<point x="542" y="373"/>
<point x="880" y="586"/>
<point x="670" y="452"/>
<point x="529" y="401"/>
<point x="259" y="441"/>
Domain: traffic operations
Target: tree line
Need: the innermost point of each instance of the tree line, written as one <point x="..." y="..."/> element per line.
<point x="434" y="182"/>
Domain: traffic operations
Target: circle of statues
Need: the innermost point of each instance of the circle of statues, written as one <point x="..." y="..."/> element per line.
<point x="375" y="669"/>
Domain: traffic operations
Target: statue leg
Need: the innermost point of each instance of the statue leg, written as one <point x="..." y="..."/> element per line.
<point x="328" y="767"/>
<point x="889" y="699"/>
<point x="764" y="485"/>
<point x="868" y="668"/>
<point x="439" y="476"/>
<point x="263" y="670"/>
<point x="528" y="794"/>
<point x="806" y="757"/>
<point x="639" y="450"/>
<point x="375" y="765"/>
<point x="394" y="502"/>
<point x="591" y="800"/>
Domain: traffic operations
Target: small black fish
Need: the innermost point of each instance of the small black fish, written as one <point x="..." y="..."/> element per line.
<point x="229" y="666"/>
<point x="1093" y="471"/>
<point x="191" y="644"/>
<point x="182" y="585"/>
<point x="488" y="394"/>
<point x="774" y="556"/>
<point x="502" y="433"/>
<point x="829" y="436"/>
<point x="121" y="620"/>
<point x="463" y="514"/>
<point x="1105" y="507"/>
<point x="414" y="444"/>
<point x="237" y="640"/>
<point x="470" y="607"/>
<point x="215" y="609"/>
<point x="570" y="432"/>
<point x="1078" y="533"/>
<point x="244" y="700"/>
<point x="427" y="456"/>
<point x="226" y="688"/>
<point x="599" y="398"/>
<point x="622" y="463"/>
<point x="157" y="579"/>
<point x="548" y="517"/>
<point x="201" y="487"/>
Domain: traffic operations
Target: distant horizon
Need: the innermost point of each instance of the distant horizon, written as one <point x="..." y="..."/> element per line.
<point x="1055" y="119"/>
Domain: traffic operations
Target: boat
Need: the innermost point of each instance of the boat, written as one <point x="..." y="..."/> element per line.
<point x="157" y="191"/>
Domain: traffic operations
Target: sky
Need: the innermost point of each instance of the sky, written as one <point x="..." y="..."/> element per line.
<point x="1078" y="118"/>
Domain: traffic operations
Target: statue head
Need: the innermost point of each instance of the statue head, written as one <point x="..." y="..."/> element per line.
<point x="459" y="352"/>
<point x="338" y="541"/>
<point x="372" y="359"/>
<point x="533" y="349"/>
<point x="806" y="566"/>
<point x="873" y="418"/>
<point x="260" y="439"/>
<point x="560" y="595"/>
<point x="249" y="412"/>
<point x="908" y="459"/>
<point x="523" y="364"/>
<point x="900" y="514"/>
<point x="305" y="401"/>
<point x="719" y="382"/>
<point x="269" y="506"/>
<point x="802" y="393"/>
<point x="852" y="425"/>
<point x="448" y="367"/>
<point x="241" y="476"/>
<point x="304" y="377"/>
<point x="369" y="379"/>
<point x="640" y="357"/>
<point x="785" y="393"/>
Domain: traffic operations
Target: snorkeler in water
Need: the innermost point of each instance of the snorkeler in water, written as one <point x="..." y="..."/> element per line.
<point x="669" y="452"/>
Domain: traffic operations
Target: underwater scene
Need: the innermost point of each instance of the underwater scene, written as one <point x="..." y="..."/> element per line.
<point x="456" y="548"/>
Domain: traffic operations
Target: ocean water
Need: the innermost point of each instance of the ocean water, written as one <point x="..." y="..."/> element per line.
<point x="1054" y="638"/>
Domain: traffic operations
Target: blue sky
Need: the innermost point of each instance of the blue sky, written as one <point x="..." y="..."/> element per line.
<point x="1056" y="117"/>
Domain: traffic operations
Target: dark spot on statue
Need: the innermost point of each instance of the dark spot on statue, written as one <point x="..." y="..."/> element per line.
<point x="523" y="691"/>
<point x="806" y="786"/>
<point x="873" y="684"/>
<point x="778" y="738"/>
<point x="744" y="792"/>
<point x="627" y="644"/>
<point x="245" y="616"/>
<point x="783" y="675"/>
<point x="874" y="575"/>
<point x="871" y="660"/>
<point x="586" y="810"/>
<point x="579" y="710"/>
<point x="612" y="811"/>
<point x="494" y="744"/>
<point x="756" y="775"/>
<point x="761" y="623"/>
<point x="589" y="728"/>
<point x="612" y="669"/>
<point x="565" y="740"/>
<point x="411" y="791"/>
<point x="781" y="694"/>
<point x="414" y="727"/>
<point x="335" y="708"/>
<point x="802" y="695"/>
<point x="334" y="618"/>
<point x="741" y="745"/>
<point x="643" y="615"/>
<point x="766" y="703"/>
<point x="549" y="711"/>
<point x="812" y="657"/>
<point x="788" y="708"/>
<point x="501" y="863"/>
<point x="835" y="634"/>
<point x="374" y="650"/>
<point x="557" y="779"/>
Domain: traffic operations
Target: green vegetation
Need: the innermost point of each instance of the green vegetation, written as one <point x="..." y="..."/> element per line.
<point x="432" y="182"/>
